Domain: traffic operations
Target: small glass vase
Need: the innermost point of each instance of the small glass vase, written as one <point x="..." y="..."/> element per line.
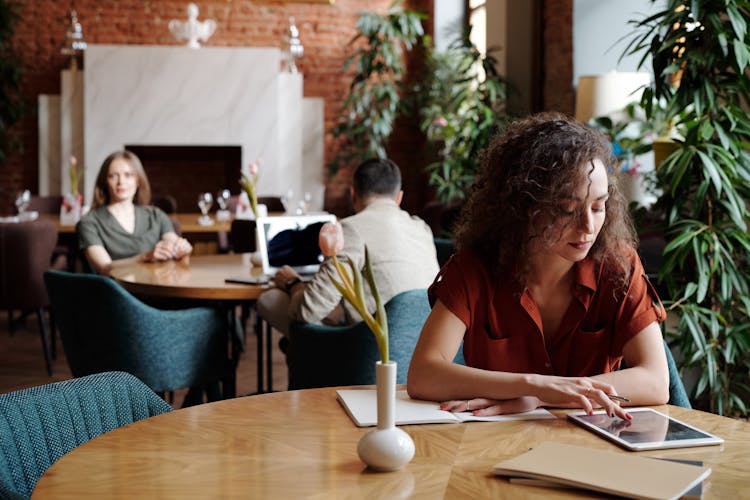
<point x="386" y="448"/>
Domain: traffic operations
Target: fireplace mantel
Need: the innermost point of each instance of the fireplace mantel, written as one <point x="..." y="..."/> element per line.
<point x="214" y="96"/>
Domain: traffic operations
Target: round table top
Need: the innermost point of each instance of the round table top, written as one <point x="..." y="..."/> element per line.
<point x="301" y="444"/>
<point x="195" y="277"/>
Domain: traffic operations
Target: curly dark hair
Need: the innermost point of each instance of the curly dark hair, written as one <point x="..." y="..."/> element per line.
<point x="525" y="173"/>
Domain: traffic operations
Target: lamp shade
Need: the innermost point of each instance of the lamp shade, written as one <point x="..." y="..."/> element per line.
<point x="600" y="95"/>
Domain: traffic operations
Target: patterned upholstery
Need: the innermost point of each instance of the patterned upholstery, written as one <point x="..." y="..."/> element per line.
<point x="104" y="328"/>
<point x="41" y="424"/>
<point x="327" y="356"/>
<point x="677" y="393"/>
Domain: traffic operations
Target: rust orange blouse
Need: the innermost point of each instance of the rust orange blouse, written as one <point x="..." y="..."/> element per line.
<point x="504" y="328"/>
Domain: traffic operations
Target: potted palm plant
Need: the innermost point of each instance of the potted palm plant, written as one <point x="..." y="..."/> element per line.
<point x="700" y="51"/>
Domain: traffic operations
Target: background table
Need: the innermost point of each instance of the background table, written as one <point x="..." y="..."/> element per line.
<point x="201" y="277"/>
<point x="188" y="223"/>
<point x="301" y="444"/>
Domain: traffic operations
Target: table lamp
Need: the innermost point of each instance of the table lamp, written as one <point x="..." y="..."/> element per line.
<point x="600" y="95"/>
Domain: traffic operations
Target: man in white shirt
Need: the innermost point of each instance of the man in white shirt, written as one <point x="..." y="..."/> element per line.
<point x="401" y="248"/>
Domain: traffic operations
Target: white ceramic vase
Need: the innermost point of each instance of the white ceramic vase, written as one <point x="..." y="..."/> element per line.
<point x="386" y="448"/>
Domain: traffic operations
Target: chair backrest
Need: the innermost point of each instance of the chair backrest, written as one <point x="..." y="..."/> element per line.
<point x="242" y="236"/>
<point x="677" y="394"/>
<point x="104" y="328"/>
<point x="25" y="253"/>
<point x="272" y="203"/>
<point x="444" y="248"/>
<point x="166" y="202"/>
<point x="41" y="424"/>
<point x="45" y="204"/>
<point x="327" y="356"/>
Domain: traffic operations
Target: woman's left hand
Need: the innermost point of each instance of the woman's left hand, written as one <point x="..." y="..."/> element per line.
<point x="482" y="407"/>
<point x="182" y="248"/>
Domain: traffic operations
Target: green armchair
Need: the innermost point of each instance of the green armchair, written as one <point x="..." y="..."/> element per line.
<point x="41" y="424"/>
<point x="327" y="356"/>
<point x="104" y="328"/>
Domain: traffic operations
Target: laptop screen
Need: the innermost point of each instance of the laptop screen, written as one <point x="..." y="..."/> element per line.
<point x="291" y="241"/>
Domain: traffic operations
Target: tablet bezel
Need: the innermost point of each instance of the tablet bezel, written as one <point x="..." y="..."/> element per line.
<point x="708" y="440"/>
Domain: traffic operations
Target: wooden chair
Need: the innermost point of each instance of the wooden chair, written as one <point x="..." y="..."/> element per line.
<point x="25" y="252"/>
<point x="41" y="424"/>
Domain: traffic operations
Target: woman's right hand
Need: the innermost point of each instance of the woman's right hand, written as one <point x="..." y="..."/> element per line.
<point x="163" y="250"/>
<point x="577" y="392"/>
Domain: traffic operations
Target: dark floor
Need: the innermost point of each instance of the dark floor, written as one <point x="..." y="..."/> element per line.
<point x="22" y="362"/>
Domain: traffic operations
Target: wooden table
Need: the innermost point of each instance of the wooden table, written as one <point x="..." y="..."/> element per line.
<point x="188" y="224"/>
<point x="201" y="277"/>
<point x="301" y="444"/>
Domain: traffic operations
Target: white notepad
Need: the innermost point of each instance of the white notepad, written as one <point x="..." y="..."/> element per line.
<point x="361" y="405"/>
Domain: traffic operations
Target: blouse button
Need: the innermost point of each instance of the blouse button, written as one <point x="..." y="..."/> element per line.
<point x="548" y="364"/>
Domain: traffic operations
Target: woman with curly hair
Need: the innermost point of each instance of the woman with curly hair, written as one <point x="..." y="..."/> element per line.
<point x="546" y="289"/>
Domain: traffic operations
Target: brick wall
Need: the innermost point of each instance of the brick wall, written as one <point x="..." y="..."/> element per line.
<point x="325" y="31"/>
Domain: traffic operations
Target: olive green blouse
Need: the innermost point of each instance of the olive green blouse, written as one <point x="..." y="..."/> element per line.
<point x="99" y="227"/>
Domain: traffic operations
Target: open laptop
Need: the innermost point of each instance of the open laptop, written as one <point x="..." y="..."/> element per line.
<point x="291" y="241"/>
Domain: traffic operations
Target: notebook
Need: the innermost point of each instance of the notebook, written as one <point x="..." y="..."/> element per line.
<point x="291" y="241"/>
<point x="361" y="406"/>
<point x="611" y="472"/>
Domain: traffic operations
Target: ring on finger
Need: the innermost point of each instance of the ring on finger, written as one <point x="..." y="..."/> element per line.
<point x="468" y="405"/>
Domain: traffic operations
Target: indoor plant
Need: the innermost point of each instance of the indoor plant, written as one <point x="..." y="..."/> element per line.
<point x="374" y="99"/>
<point x="700" y="52"/>
<point x="462" y="105"/>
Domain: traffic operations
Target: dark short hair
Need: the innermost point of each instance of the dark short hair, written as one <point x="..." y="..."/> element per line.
<point x="377" y="177"/>
<point x="101" y="189"/>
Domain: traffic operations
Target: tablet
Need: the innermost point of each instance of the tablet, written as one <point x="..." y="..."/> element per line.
<point x="649" y="430"/>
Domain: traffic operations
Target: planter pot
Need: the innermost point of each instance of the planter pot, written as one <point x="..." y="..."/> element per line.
<point x="386" y="448"/>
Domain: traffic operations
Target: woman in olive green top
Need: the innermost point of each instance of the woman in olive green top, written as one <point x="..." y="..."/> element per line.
<point x="121" y="224"/>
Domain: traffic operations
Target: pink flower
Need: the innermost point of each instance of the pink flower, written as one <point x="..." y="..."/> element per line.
<point x="440" y="121"/>
<point x="331" y="239"/>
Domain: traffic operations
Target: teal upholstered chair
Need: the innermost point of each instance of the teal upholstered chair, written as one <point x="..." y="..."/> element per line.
<point x="104" y="328"/>
<point x="444" y="248"/>
<point x="327" y="356"/>
<point x="41" y="424"/>
<point x="677" y="393"/>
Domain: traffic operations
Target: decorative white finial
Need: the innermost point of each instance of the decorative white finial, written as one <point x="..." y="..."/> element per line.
<point x="192" y="30"/>
<point x="293" y="49"/>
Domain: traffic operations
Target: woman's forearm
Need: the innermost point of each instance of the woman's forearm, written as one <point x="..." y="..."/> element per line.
<point x="641" y="385"/>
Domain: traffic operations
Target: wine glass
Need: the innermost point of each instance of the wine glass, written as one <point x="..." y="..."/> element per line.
<point x="205" y="200"/>
<point x="305" y="203"/>
<point x="222" y="198"/>
<point x="288" y="201"/>
<point x="22" y="202"/>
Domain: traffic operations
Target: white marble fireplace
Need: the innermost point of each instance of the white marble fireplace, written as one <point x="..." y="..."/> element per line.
<point x="173" y="96"/>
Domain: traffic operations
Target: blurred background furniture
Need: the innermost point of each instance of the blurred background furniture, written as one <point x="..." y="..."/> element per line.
<point x="242" y="236"/>
<point x="168" y="204"/>
<point x="104" y="328"/>
<point x="444" y="248"/>
<point x="327" y="356"/>
<point x="25" y="252"/>
<point x="41" y="424"/>
<point x="64" y="255"/>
